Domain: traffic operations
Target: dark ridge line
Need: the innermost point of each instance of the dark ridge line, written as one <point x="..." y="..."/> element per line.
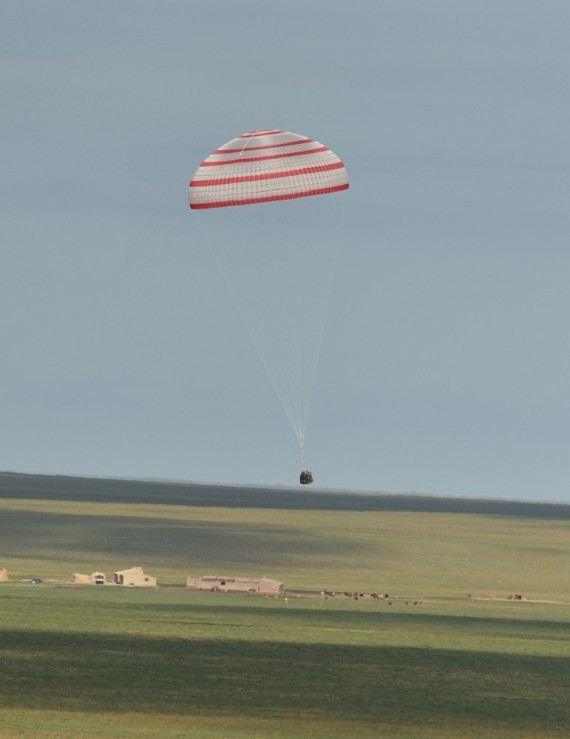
<point x="14" y="485"/>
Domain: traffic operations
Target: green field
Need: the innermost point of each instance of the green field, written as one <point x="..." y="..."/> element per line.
<point x="428" y="661"/>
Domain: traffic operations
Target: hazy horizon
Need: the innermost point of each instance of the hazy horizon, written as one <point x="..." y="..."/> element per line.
<point x="292" y="488"/>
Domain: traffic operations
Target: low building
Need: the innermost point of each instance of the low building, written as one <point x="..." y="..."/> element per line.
<point x="95" y="578"/>
<point x="134" y="577"/>
<point x="80" y="579"/>
<point x="4" y="576"/>
<point x="217" y="583"/>
<point x="269" y="586"/>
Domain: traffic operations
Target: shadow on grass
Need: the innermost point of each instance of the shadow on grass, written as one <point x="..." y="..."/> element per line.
<point x="40" y="534"/>
<point x="87" y="672"/>
<point x="45" y="487"/>
<point x="191" y="608"/>
<point x="382" y="617"/>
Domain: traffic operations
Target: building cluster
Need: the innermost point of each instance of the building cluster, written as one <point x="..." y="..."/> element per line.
<point x="133" y="577"/>
<point x="136" y="577"/>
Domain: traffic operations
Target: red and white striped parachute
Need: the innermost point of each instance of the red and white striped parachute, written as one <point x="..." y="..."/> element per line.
<point x="277" y="261"/>
<point x="264" y="166"/>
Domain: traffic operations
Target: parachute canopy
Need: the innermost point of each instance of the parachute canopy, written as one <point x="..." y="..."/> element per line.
<point x="264" y="166"/>
<point x="277" y="260"/>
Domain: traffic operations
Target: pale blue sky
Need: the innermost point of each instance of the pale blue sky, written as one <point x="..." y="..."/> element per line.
<point x="446" y="358"/>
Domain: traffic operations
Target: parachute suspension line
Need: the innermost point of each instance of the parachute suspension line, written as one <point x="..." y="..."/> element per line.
<point x="299" y="415"/>
<point x="279" y="293"/>
<point x="291" y="365"/>
<point x="309" y="382"/>
<point x="290" y="415"/>
<point x="303" y="458"/>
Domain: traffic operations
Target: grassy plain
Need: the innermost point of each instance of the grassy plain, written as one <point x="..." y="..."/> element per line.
<point x="103" y="661"/>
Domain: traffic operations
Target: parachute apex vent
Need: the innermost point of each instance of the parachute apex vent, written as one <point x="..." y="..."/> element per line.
<point x="306" y="477"/>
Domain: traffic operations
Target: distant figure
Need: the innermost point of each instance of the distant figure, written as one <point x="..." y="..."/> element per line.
<point x="306" y="477"/>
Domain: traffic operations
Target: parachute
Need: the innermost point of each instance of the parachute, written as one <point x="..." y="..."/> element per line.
<point x="276" y="256"/>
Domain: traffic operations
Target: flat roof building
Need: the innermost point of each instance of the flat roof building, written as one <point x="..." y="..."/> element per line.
<point x="219" y="583"/>
<point x="135" y="577"/>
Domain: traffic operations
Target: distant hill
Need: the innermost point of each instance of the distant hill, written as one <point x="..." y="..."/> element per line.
<point x="61" y="487"/>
